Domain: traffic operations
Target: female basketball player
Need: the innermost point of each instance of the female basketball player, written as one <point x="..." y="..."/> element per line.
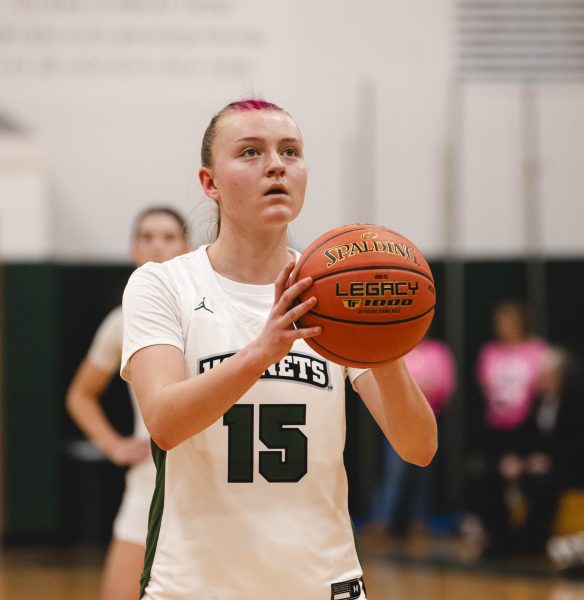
<point x="159" y="234"/>
<point x="247" y="421"/>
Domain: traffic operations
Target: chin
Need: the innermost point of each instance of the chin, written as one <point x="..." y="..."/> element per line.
<point x="280" y="215"/>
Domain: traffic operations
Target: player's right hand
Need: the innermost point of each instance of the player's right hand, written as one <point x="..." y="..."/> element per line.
<point x="279" y="332"/>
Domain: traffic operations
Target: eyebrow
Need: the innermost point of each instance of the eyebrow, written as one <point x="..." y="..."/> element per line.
<point x="257" y="139"/>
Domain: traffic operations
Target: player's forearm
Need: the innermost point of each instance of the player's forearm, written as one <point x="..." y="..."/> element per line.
<point x="183" y="409"/>
<point x="88" y="415"/>
<point x="404" y="414"/>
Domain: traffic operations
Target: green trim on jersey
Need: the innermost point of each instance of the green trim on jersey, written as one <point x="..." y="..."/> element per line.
<point x="155" y="516"/>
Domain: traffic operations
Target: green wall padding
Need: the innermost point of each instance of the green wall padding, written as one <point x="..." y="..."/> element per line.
<point x="50" y="315"/>
<point x="32" y="434"/>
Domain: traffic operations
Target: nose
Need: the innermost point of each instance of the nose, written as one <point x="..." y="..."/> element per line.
<point x="275" y="165"/>
<point x="158" y="247"/>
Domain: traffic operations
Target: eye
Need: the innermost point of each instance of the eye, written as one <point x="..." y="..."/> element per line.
<point x="250" y="152"/>
<point x="290" y="152"/>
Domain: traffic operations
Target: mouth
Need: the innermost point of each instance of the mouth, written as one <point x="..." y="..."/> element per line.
<point x="276" y="190"/>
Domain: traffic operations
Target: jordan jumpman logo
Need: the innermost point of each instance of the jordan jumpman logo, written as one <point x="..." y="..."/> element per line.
<point x="202" y="305"/>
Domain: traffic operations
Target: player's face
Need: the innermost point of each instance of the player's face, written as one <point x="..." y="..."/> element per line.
<point x="258" y="175"/>
<point x="159" y="237"/>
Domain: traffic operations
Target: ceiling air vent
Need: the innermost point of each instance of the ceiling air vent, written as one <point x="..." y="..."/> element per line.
<point x="520" y="40"/>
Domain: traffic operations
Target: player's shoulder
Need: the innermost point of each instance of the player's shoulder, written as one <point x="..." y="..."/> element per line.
<point x="184" y="259"/>
<point x="166" y="272"/>
<point x="168" y="266"/>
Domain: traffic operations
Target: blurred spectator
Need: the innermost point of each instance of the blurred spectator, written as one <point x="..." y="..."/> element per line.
<point x="406" y="491"/>
<point x="546" y="458"/>
<point x="508" y="370"/>
<point x="553" y="449"/>
<point x="508" y="367"/>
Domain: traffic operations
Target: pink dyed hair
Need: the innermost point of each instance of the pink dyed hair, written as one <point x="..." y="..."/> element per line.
<point x="211" y="131"/>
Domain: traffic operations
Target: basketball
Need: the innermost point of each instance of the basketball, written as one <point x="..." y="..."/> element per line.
<point x="375" y="294"/>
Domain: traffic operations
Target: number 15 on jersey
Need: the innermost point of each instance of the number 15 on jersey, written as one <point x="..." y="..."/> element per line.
<point x="286" y="461"/>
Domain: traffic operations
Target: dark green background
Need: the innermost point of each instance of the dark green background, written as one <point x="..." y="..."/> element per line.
<point x="51" y="312"/>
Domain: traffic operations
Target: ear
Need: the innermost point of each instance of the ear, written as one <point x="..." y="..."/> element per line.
<point x="208" y="183"/>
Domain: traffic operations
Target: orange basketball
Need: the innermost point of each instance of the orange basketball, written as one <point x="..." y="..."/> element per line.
<point x="375" y="294"/>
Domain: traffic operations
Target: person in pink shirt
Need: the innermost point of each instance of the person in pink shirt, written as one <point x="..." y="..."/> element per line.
<point x="508" y="371"/>
<point x="508" y="367"/>
<point x="405" y="493"/>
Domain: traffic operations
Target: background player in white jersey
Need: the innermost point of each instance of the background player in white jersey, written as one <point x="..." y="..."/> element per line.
<point x="248" y="421"/>
<point x="159" y="234"/>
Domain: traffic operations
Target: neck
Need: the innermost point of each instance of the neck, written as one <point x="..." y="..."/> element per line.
<point x="249" y="257"/>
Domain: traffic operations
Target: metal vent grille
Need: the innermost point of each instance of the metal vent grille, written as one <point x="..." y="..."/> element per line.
<point x="520" y="40"/>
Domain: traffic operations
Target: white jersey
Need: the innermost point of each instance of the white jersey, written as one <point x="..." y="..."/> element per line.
<point x="254" y="506"/>
<point x="105" y="353"/>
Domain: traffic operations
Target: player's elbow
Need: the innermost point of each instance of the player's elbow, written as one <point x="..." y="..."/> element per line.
<point x="160" y="436"/>
<point x="423" y="460"/>
<point x="163" y="443"/>
<point x="420" y="453"/>
<point x="163" y="436"/>
<point x="427" y="442"/>
<point x="424" y="454"/>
